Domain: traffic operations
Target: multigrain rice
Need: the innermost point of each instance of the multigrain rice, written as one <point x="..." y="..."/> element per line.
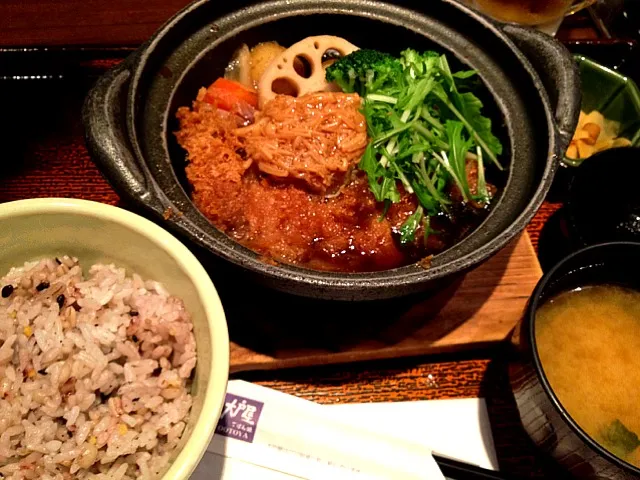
<point x="95" y="373"/>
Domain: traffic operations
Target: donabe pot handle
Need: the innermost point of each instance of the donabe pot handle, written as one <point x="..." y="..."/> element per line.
<point x="559" y="74"/>
<point x="105" y="134"/>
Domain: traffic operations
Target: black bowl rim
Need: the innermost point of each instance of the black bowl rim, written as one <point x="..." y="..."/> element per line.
<point x="536" y="296"/>
<point x="410" y="275"/>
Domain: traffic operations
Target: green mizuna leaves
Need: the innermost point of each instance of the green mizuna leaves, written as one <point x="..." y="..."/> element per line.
<point x="426" y="130"/>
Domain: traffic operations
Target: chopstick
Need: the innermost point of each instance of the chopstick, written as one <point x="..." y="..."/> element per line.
<point x="457" y="470"/>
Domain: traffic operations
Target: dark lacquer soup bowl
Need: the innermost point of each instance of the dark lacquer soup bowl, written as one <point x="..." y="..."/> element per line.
<point x="549" y="422"/>
<point x="532" y="96"/>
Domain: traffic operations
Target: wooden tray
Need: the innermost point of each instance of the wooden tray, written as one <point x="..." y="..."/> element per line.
<point x="272" y="330"/>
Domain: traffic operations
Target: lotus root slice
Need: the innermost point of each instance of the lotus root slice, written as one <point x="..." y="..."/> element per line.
<point x="281" y="76"/>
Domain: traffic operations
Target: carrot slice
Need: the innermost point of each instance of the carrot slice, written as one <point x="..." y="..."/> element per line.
<point x="227" y="93"/>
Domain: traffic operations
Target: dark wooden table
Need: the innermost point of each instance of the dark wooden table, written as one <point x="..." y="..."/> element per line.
<point x="124" y="22"/>
<point x="43" y="154"/>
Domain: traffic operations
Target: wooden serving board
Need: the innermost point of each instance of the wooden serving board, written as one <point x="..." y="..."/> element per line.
<point x="270" y="330"/>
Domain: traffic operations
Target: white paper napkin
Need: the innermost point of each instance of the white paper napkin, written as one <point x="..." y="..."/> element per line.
<point x="457" y="428"/>
<point x="264" y="434"/>
<point x="267" y="434"/>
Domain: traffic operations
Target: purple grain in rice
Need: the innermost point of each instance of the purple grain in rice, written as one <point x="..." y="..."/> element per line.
<point x="95" y="373"/>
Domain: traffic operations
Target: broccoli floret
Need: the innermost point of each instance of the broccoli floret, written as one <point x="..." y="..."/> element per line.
<point x="420" y="63"/>
<point x="365" y="71"/>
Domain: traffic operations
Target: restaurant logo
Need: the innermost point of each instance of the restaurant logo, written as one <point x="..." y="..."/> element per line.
<point x="239" y="418"/>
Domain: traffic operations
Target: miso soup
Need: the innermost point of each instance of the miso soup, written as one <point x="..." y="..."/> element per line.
<point x="589" y="345"/>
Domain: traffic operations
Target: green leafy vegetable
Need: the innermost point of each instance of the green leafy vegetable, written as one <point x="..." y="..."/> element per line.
<point x="458" y="156"/>
<point x="427" y="228"/>
<point x="618" y="439"/>
<point x="426" y="128"/>
<point x="410" y="226"/>
<point x="483" y="193"/>
<point x="382" y="190"/>
<point x="464" y="74"/>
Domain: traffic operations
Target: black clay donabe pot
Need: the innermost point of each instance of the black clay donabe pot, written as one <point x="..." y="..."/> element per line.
<point x="543" y="417"/>
<point x="531" y="80"/>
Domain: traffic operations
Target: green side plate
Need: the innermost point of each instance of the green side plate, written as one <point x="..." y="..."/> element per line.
<point x="614" y="95"/>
